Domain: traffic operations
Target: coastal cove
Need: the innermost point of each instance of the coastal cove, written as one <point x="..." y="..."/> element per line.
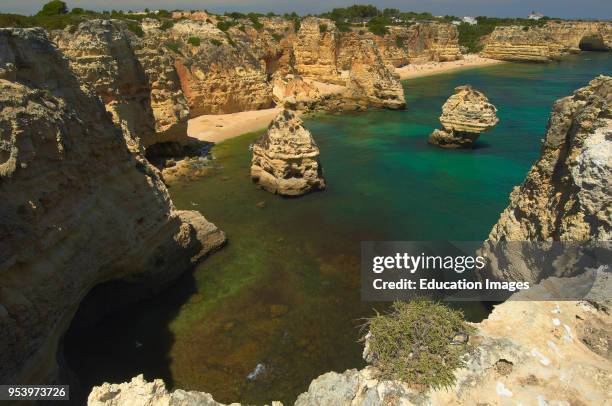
<point x="284" y="292"/>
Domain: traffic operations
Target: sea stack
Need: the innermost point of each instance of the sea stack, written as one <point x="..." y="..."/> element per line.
<point x="465" y="115"/>
<point x="286" y="158"/>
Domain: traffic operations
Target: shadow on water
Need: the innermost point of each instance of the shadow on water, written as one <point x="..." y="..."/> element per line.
<point x="284" y="293"/>
<point x="136" y="334"/>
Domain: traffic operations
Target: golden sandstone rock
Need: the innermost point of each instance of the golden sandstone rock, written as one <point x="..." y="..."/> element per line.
<point x="286" y="158"/>
<point x="78" y="208"/>
<point x="465" y="115"/>
<point x="548" y="42"/>
<point x="566" y="194"/>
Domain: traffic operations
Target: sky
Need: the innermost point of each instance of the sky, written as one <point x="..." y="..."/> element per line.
<point x="599" y="9"/>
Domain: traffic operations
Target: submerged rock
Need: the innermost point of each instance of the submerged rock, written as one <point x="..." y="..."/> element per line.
<point x="465" y="115"/>
<point x="286" y="158"/>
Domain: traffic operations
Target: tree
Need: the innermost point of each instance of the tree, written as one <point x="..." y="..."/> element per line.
<point x="53" y="8"/>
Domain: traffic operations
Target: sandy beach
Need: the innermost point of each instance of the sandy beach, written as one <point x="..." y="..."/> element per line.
<point x="433" y="68"/>
<point x="219" y="127"/>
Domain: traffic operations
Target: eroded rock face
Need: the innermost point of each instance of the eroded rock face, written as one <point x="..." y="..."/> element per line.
<point x="419" y="43"/>
<point x="316" y="50"/>
<point x="548" y="360"/>
<point x="217" y="76"/>
<point x="140" y="392"/>
<point x="371" y="82"/>
<point x="324" y="54"/>
<point x="566" y="194"/>
<point x="547" y="43"/>
<point x="286" y="158"/>
<point x="136" y="80"/>
<point x="465" y="115"/>
<point x="294" y="93"/>
<point x="78" y="208"/>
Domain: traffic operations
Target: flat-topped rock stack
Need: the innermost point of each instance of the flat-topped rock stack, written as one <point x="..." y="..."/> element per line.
<point x="286" y="158"/>
<point x="465" y="115"/>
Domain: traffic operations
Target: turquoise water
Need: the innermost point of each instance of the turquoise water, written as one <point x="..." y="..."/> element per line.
<point x="284" y="292"/>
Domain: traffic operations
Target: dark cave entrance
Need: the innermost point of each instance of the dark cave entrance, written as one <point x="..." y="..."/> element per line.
<point x="593" y="42"/>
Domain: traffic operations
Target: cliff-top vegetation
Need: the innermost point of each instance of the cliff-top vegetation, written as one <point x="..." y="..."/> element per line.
<point x="417" y="342"/>
<point x="56" y="15"/>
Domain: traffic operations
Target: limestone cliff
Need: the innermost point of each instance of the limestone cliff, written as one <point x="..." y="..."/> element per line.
<point x="135" y="80"/>
<point x="522" y="44"/>
<point x="548" y="42"/>
<point x="78" y="208"/>
<point x="323" y="54"/>
<point x="559" y="355"/>
<point x="295" y="93"/>
<point x="582" y="35"/>
<point x="286" y="158"/>
<point x="465" y="115"/>
<point x="419" y="43"/>
<point x="566" y="194"/>
<point x="371" y="82"/>
<point x="216" y="74"/>
<point x="316" y="50"/>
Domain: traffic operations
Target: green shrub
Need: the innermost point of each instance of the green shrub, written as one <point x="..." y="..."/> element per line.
<point x="255" y="21"/>
<point x="174" y="47"/>
<point x="215" y="42"/>
<point x="242" y="28"/>
<point x="53" y="8"/>
<point x="166" y="25"/>
<point x="414" y="343"/>
<point x="297" y="23"/>
<point x="77" y="11"/>
<point x="399" y="41"/>
<point x="195" y="41"/>
<point x="135" y="27"/>
<point x="378" y="25"/>
<point x="343" y="26"/>
<point x="225" y="25"/>
<point x="322" y="28"/>
<point x="277" y="37"/>
<point x="14" y="20"/>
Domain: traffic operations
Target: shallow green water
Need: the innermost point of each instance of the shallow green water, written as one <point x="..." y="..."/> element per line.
<point x="285" y="291"/>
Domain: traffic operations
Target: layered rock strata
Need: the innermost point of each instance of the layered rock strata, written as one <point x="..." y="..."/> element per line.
<point x="419" y="43"/>
<point x="286" y="158"/>
<point x="526" y="351"/>
<point x="465" y="115"/>
<point x="548" y="42"/>
<point x="216" y="75"/>
<point x="136" y="80"/>
<point x="316" y="50"/>
<point x="153" y="81"/>
<point x="295" y="93"/>
<point x="566" y="194"/>
<point x="78" y="208"/>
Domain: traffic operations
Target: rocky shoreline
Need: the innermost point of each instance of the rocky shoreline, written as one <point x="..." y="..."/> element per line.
<point x="560" y="353"/>
<point x="87" y="109"/>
